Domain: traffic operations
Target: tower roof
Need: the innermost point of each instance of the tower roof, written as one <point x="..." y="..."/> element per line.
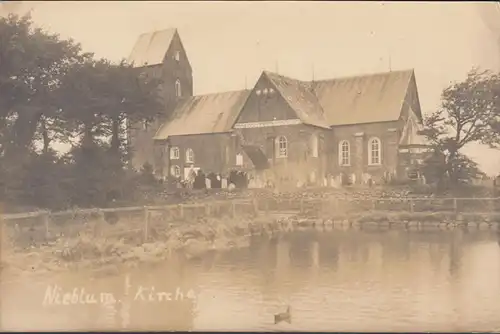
<point x="150" y="48"/>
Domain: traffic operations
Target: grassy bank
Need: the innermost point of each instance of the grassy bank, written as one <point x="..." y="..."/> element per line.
<point x="126" y="248"/>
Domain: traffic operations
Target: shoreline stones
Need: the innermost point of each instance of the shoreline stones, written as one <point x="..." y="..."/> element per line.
<point x="434" y="222"/>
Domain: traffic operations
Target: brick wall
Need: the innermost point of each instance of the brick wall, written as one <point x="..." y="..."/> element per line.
<point x="300" y="165"/>
<point x="358" y="137"/>
<point x="210" y="153"/>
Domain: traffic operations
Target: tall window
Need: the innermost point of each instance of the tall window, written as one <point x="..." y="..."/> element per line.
<point x="189" y="156"/>
<point x="178" y="91"/>
<point x="239" y="159"/>
<point x="314" y="145"/>
<point x="177" y="56"/>
<point x="174" y="153"/>
<point x="282" y="147"/>
<point x="374" y="150"/>
<point x="175" y="171"/>
<point x="344" y="153"/>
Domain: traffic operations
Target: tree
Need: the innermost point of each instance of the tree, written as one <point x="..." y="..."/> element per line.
<point x="468" y="114"/>
<point x="32" y="63"/>
<point x="99" y="96"/>
<point x="50" y="90"/>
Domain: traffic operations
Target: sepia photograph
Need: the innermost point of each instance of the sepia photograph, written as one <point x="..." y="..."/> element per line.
<point x="250" y="166"/>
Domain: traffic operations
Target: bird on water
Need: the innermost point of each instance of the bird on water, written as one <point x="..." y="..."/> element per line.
<point x="284" y="316"/>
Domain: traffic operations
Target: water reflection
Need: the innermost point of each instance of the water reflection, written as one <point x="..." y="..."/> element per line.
<point x="340" y="280"/>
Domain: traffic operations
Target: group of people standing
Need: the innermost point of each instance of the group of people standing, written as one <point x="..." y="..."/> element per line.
<point x="197" y="179"/>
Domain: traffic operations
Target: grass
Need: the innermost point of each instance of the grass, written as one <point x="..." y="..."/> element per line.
<point x="188" y="239"/>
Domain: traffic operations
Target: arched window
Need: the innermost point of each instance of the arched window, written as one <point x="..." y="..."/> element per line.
<point x="189" y="156"/>
<point x="175" y="171"/>
<point x="282" y="144"/>
<point x="174" y="153"/>
<point x="374" y="151"/>
<point x="314" y="145"/>
<point x="239" y="159"/>
<point x="178" y="91"/>
<point x="344" y="153"/>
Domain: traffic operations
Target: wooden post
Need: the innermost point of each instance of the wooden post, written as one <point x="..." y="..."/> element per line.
<point x="233" y="209"/>
<point x="181" y="211"/>
<point x="255" y="206"/>
<point x="46" y="223"/>
<point x="3" y="230"/>
<point x="455" y="207"/>
<point x="411" y="205"/>
<point x="301" y="205"/>
<point x="374" y="204"/>
<point x="99" y="221"/>
<point x="146" y="223"/>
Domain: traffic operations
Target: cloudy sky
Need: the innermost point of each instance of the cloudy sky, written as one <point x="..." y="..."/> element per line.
<point x="230" y="43"/>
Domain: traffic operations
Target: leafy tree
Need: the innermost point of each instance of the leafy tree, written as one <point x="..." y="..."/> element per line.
<point x="32" y="63"/>
<point x="99" y="96"/>
<point x="467" y="115"/>
<point x="50" y="90"/>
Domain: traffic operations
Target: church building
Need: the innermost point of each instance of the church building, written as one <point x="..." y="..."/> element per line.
<point x="354" y="130"/>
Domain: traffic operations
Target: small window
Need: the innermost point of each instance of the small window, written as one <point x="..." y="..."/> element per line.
<point x="258" y="92"/>
<point x="282" y="147"/>
<point x="344" y="153"/>
<point x="175" y="171"/>
<point x="177" y="56"/>
<point x="239" y="159"/>
<point x="178" y="91"/>
<point x="145" y="125"/>
<point x="374" y="150"/>
<point x="174" y="153"/>
<point x="189" y="156"/>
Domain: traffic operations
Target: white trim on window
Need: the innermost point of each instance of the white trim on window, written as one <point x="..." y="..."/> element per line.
<point x="189" y="156"/>
<point x="344" y="153"/>
<point x="174" y="153"/>
<point x="175" y="171"/>
<point x="314" y="145"/>
<point x="178" y="90"/>
<point x="239" y="159"/>
<point x="374" y="151"/>
<point x="281" y="147"/>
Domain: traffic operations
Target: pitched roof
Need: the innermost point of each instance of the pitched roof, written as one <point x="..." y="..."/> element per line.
<point x="301" y="99"/>
<point x="150" y="48"/>
<point x="363" y="99"/>
<point x="410" y="135"/>
<point x="202" y="114"/>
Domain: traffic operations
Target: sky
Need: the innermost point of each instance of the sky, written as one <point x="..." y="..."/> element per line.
<point x="230" y="43"/>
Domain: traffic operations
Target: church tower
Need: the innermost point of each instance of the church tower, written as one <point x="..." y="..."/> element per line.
<point x="160" y="54"/>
